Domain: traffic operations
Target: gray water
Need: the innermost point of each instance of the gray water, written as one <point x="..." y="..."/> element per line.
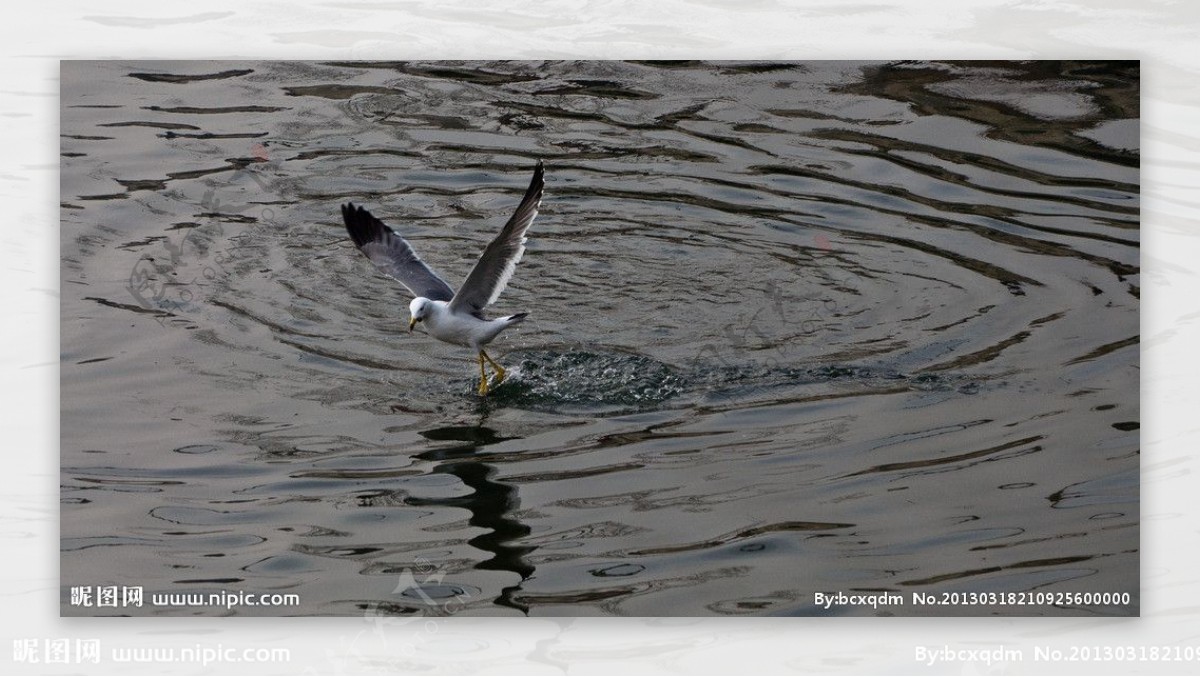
<point x="794" y="328"/>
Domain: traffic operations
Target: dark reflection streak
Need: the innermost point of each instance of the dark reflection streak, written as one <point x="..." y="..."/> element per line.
<point x="353" y="152"/>
<point x="716" y="409"/>
<point x="338" y="91"/>
<point x="152" y="125"/>
<point x="1054" y="562"/>
<point x="678" y="198"/>
<point x="667" y="121"/>
<point x="723" y="140"/>
<point x="944" y="460"/>
<point x="260" y="319"/>
<point x="604" y="89"/>
<point x="360" y="361"/>
<point x="1106" y="349"/>
<point x="129" y="307"/>
<point x="197" y="110"/>
<point x="980" y="356"/>
<point x="491" y="504"/>
<point x="575" y="153"/>
<point x="184" y="79"/>
<point x="473" y="75"/>
<point x="552" y="112"/>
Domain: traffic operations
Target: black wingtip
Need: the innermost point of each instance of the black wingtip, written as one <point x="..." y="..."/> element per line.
<point x="537" y="182"/>
<point x="361" y="226"/>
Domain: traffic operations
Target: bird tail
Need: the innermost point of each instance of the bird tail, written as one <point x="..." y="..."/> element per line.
<point x="514" y="319"/>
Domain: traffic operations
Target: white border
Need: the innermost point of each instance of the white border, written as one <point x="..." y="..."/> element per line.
<point x="1159" y="32"/>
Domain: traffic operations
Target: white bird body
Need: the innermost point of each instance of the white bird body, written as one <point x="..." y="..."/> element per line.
<point x="450" y="316"/>
<point x="458" y="328"/>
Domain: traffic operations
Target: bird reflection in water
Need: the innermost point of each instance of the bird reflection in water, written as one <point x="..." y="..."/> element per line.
<point x="491" y="503"/>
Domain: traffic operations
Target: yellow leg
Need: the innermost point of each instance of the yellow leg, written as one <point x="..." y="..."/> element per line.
<point x="500" y="374"/>
<point x="483" y="385"/>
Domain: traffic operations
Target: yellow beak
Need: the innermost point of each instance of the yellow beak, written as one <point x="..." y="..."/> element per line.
<point x="412" y="323"/>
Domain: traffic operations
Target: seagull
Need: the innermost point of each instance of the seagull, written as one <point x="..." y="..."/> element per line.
<point x="453" y="317"/>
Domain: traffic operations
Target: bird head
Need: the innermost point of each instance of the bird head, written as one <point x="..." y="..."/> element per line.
<point x="418" y="310"/>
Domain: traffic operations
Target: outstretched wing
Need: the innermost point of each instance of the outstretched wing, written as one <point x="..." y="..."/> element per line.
<point x="498" y="261"/>
<point x="393" y="255"/>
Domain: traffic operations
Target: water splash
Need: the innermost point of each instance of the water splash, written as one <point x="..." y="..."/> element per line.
<point x="611" y="382"/>
<point x="591" y="380"/>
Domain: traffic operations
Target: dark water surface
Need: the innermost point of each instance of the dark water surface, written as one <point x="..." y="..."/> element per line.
<point x="855" y="327"/>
